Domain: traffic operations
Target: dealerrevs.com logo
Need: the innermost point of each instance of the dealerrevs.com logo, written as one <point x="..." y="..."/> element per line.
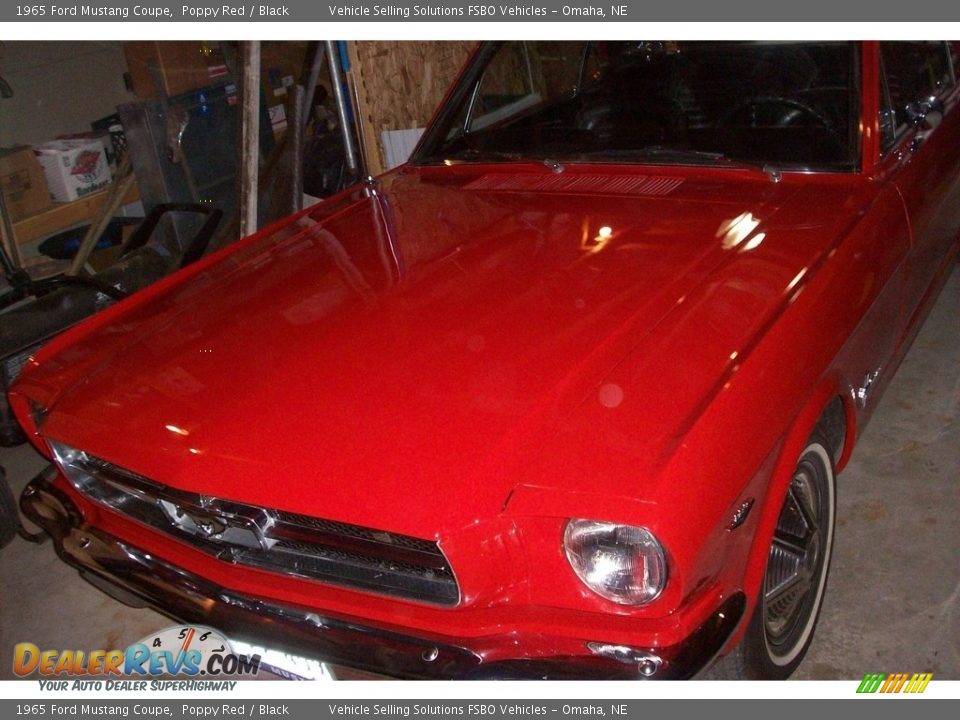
<point x="894" y="682"/>
<point x="181" y="650"/>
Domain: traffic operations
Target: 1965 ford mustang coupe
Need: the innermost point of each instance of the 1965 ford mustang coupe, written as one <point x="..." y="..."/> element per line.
<point x="563" y="396"/>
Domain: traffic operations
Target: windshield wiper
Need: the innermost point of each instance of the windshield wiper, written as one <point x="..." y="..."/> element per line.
<point x="476" y="155"/>
<point x="684" y="156"/>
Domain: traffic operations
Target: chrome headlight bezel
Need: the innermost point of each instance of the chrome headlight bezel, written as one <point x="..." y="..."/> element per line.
<point x="635" y="571"/>
<point x="66" y="458"/>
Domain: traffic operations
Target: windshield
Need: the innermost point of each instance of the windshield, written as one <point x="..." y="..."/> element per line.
<point x="787" y="105"/>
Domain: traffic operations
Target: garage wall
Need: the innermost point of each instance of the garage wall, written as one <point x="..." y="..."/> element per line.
<point x="59" y="87"/>
<point x="399" y="85"/>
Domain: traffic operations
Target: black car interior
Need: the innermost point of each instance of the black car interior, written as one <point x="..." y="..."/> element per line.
<point x="767" y="103"/>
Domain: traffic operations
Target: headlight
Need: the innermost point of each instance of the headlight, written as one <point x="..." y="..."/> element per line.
<point x="622" y="563"/>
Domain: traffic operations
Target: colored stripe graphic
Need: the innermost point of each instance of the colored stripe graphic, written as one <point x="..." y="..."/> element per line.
<point x="919" y="682"/>
<point x="871" y="682"/>
<point x="894" y="682"/>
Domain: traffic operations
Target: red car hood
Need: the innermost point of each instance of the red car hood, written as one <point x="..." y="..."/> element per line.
<point x="400" y="360"/>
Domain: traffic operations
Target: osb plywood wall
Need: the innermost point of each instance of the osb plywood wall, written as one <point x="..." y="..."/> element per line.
<point x="398" y="85"/>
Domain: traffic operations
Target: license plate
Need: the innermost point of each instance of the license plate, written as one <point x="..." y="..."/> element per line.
<point x="286" y="665"/>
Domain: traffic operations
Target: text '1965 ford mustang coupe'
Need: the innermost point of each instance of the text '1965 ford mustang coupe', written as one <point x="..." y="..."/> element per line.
<point x="564" y="395"/>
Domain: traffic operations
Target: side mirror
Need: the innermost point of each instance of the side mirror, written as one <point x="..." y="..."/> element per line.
<point x="926" y="120"/>
<point x="932" y="119"/>
<point x="932" y="104"/>
<point x="927" y="112"/>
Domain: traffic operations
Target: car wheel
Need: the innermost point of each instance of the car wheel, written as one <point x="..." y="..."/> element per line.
<point x="9" y="518"/>
<point x="782" y="625"/>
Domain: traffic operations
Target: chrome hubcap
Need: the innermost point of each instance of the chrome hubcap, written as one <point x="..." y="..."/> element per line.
<point x="794" y="562"/>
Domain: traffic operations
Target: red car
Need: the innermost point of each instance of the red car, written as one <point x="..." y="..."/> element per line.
<point x="563" y="396"/>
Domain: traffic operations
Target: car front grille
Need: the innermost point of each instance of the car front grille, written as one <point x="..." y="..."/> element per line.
<point x="274" y="540"/>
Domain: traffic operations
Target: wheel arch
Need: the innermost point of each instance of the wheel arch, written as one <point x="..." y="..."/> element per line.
<point x="831" y="409"/>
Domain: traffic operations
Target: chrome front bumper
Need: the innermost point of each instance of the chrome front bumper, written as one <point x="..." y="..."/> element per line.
<point x="137" y="578"/>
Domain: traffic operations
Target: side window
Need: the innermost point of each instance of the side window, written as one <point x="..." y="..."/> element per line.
<point x="523" y="75"/>
<point x="506" y="87"/>
<point x="914" y="75"/>
<point x="560" y="64"/>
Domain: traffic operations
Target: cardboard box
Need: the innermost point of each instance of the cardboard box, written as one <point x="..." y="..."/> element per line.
<point x="73" y="168"/>
<point x="101" y="136"/>
<point x="22" y="183"/>
<point x="180" y="66"/>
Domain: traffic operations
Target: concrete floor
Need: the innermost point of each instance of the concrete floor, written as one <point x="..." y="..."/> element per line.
<point x="893" y="601"/>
